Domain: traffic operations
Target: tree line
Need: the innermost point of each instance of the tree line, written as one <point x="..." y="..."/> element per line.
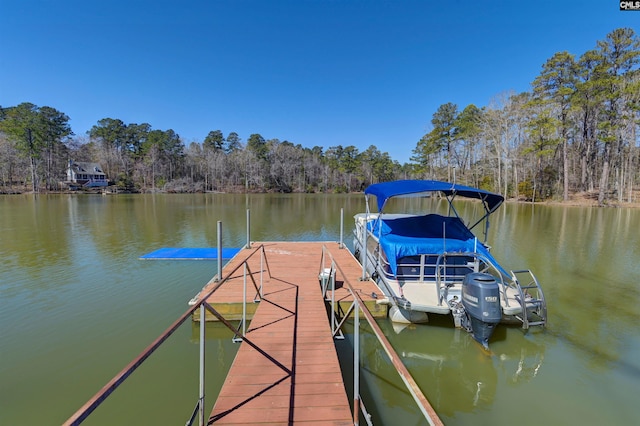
<point x="36" y="144"/>
<point x="575" y="131"/>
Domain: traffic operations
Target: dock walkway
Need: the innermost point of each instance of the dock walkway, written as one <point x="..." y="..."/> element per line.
<point x="294" y="376"/>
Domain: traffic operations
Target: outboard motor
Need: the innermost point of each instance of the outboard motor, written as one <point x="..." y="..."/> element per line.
<point x="481" y="301"/>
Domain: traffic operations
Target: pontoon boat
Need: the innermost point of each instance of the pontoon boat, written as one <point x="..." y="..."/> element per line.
<point x="434" y="264"/>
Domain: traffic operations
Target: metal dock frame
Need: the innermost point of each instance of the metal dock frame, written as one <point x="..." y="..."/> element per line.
<point x="357" y="306"/>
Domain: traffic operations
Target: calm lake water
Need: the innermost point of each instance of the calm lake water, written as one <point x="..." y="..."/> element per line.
<point x="77" y="305"/>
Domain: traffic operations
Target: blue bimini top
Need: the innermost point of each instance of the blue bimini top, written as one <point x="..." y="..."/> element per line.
<point x="385" y="190"/>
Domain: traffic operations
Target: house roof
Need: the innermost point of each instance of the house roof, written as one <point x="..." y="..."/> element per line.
<point x="88" y="168"/>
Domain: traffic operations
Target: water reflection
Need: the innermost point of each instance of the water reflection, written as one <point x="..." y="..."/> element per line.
<point x="586" y="260"/>
<point x="461" y="376"/>
<point x="31" y="232"/>
<point x="220" y="349"/>
<point x="456" y="373"/>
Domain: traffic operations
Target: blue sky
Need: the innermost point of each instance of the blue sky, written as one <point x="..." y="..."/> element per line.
<point x="313" y="72"/>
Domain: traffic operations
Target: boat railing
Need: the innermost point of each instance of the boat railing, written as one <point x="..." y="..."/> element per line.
<point x="428" y="267"/>
<point x="479" y="263"/>
<point x="444" y="272"/>
<point x="329" y="270"/>
<point x="198" y="303"/>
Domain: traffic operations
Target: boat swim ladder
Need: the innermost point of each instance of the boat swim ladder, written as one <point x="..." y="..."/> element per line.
<point x="531" y="299"/>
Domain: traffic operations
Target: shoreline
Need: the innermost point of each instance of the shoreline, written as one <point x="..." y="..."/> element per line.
<point x="579" y="199"/>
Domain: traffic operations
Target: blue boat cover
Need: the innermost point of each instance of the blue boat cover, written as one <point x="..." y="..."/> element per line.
<point x="207" y="253"/>
<point x="430" y="234"/>
<point x="385" y="190"/>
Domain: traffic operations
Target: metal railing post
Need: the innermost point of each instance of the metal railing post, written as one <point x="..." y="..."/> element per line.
<point x="219" y="250"/>
<point x="363" y="251"/>
<point x="202" y="366"/>
<point x="332" y="277"/>
<point x="356" y="362"/>
<point x="261" y="274"/>
<point x="244" y="302"/>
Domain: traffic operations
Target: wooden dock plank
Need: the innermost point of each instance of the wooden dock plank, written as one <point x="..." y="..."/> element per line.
<point x="291" y="327"/>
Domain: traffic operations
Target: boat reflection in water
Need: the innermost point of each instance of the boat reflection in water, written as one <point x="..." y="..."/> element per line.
<point x="453" y="370"/>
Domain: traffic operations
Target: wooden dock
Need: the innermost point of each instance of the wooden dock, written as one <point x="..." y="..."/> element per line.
<point x="286" y="371"/>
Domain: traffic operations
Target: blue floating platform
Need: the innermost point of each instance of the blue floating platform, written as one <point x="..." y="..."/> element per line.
<point x="170" y="253"/>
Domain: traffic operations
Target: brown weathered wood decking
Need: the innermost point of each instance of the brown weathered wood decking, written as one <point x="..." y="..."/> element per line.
<point x="295" y="376"/>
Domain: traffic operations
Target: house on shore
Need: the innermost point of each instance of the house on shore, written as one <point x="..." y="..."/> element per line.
<point x="88" y="175"/>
